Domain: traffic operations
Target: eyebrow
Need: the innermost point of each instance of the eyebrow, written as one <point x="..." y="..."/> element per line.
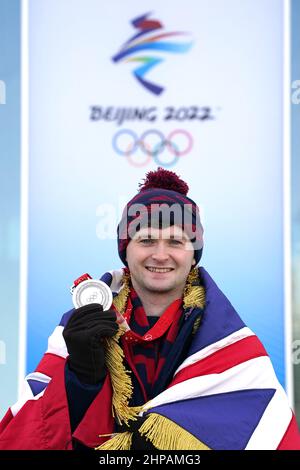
<point x="181" y="236"/>
<point x="177" y="235"/>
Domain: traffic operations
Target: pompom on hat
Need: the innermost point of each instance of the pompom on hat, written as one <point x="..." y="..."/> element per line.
<point x="161" y="202"/>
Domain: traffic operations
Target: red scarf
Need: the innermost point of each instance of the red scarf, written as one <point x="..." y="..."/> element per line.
<point x="149" y="340"/>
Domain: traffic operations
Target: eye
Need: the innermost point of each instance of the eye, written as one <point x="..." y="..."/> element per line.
<point x="146" y="241"/>
<point x="176" y="242"/>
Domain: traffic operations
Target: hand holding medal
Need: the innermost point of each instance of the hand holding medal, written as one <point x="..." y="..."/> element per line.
<point x="90" y="329"/>
<point x="86" y="290"/>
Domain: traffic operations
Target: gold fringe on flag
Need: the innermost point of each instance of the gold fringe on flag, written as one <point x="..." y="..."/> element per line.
<point x="120" y="441"/>
<point x="167" y="435"/>
<point x="196" y="325"/>
<point x="194" y="296"/>
<point x="120" y="301"/>
<point x="119" y="375"/>
<point x="194" y="293"/>
<point x="120" y="380"/>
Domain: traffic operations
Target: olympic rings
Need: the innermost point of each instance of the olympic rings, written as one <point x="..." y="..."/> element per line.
<point x="152" y="143"/>
<point x="124" y="131"/>
<point x="171" y="163"/>
<point x="159" y="145"/>
<point x="189" y="138"/>
<point x="138" y="165"/>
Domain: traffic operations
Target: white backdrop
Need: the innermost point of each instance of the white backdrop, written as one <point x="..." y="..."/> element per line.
<point x="232" y="72"/>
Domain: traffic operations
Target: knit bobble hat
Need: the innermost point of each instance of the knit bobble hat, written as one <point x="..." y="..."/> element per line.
<point x="161" y="202"/>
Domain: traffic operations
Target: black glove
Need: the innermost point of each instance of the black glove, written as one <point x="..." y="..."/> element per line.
<point x="139" y="442"/>
<point x="83" y="336"/>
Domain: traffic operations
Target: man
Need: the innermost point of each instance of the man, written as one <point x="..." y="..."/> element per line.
<point x="186" y="374"/>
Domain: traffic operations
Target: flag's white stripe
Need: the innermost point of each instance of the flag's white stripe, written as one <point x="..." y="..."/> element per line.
<point x="57" y="346"/>
<point x="212" y="348"/>
<point x="117" y="276"/>
<point x="56" y="343"/>
<point x="26" y="396"/>
<point x="245" y="376"/>
<point x="273" y="424"/>
<point x="39" y="377"/>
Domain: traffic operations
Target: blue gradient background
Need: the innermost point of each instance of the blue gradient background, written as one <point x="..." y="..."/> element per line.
<point x="9" y="198"/>
<point x="235" y="172"/>
<point x="296" y="197"/>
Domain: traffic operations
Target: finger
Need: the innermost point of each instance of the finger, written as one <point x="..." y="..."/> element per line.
<point x="92" y="326"/>
<point x="83" y="312"/>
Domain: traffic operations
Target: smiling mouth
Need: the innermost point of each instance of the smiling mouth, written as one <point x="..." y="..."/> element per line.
<point x="159" y="270"/>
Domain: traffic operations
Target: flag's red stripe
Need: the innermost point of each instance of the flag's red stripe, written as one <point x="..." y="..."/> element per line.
<point x="49" y="363"/>
<point x="227" y="357"/>
<point x="6" y="420"/>
<point x="291" y="438"/>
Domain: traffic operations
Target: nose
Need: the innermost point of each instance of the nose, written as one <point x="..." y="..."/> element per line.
<point x="160" y="253"/>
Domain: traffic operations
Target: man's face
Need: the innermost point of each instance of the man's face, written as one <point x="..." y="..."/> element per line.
<point x="160" y="260"/>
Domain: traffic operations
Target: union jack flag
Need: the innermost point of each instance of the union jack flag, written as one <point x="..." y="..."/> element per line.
<point x="225" y="393"/>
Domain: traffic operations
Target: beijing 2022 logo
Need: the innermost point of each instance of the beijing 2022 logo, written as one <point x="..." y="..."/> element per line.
<point x="142" y="47"/>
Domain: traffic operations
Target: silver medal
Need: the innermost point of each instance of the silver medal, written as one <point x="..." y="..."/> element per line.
<point x="92" y="291"/>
